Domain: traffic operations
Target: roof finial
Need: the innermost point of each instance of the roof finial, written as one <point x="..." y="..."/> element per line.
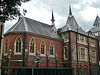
<point x="70" y="12"/>
<point x="52" y="16"/>
<point x="52" y="20"/>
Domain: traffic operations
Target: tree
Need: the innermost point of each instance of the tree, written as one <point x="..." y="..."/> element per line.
<point x="10" y="9"/>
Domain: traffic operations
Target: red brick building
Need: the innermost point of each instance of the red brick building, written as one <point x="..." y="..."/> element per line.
<point x="69" y="49"/>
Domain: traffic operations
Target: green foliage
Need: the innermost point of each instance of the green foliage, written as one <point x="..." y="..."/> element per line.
<point x="10" y="9"/>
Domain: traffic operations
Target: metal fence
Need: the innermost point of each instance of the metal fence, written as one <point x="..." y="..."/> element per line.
<point x="37" y="71"/>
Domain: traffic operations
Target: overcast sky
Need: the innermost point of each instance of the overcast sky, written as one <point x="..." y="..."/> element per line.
<point x="84" y="11"/>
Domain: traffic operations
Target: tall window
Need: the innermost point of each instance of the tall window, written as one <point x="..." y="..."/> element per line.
<point x="32" y="46"/>
<point x="93" y="54"/>
<point x="6" y="46"/>
<point x="51" y="49"/>
<point x="18" y="45"/>
<point x="42" y="47"/>
<point x="83" y="53"/>
<point x="65" y="53"/>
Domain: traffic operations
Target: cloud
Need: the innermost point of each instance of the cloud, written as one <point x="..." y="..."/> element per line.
<point x="84" y="11"/>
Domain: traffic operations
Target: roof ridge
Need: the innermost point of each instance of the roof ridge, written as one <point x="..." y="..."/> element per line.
<point x="38" y="21"/>
<point x="26" y="28"/>
<point x="16" y="24"/>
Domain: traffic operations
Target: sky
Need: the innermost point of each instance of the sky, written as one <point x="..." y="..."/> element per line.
<point x="84" y="11"/>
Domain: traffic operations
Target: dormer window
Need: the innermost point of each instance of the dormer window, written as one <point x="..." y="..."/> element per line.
<point x="54" y="30"/>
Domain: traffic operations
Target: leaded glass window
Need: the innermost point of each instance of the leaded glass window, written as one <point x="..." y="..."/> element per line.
<point x="92" y="42"/>
<point x="66" y="37"/>
<point x="93" y="56"/>
<point x="82" y="53"/>
<point x="32" y="46"/>
<point x="42" y="47"/>
<point x="65" y="52"/>
<point x="18" y="45"/>
<point x="81" y="38"/>
<point x="51" y="49"/>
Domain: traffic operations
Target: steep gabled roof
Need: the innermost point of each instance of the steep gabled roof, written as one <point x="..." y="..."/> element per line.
<point x="97" y="20"/>
<point x="72" y="24"/>
<point x="96" y="25"/>
<point x="28" y="25"/>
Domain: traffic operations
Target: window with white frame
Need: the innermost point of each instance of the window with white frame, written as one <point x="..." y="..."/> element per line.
<point x="65" y="53"/>
<point x="66" y="37"/>
<point x="18" y="45"/>
<point x="92" y="42"/>
<point x="82" y="38"/>
<point x="93" y="55"/>
<point x="42" y="47"/>
<point x="82" y="53"/>
<point x="32" y="46"/>
<point x="51" y="49"/>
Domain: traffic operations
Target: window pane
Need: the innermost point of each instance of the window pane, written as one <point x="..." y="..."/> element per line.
<point x="19" y="46"/>
<point x="42" y="48"/>
<point x="82" y="53"/>
<point x="32" y="46"/>
<point x="51" y="50"/>
<point x="16" y="46"/>
<point x="65" y="48"/>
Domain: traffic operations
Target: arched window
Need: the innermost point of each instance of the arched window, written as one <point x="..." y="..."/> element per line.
<point x="51" y="49"/>
<point x="42" y="47"/>
<point x="32" y="46"/>
<point x="18" y="45"/>
<point x="6" y="46"/>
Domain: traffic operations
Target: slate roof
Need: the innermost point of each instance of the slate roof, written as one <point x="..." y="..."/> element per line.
<point x="95" y="27"/>
<point x="97" y="20"/>
<point x="28" y="25"/>
<point x="72" y="24"/>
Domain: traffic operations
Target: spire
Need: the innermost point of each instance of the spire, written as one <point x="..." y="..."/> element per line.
<point x="70" y="12"/>
<point x="52" y="20"/>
